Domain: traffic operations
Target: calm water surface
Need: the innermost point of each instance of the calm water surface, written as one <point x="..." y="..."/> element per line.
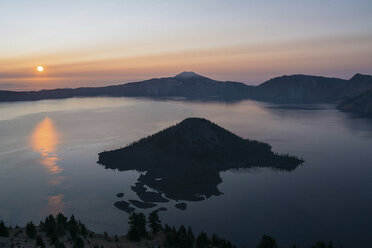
<point x="48" y="154"/>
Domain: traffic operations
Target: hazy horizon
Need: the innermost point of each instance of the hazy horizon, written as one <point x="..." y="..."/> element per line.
<point x="91" y="43"/>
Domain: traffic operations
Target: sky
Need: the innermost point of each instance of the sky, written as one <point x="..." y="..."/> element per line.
<point x="91" y="43"/>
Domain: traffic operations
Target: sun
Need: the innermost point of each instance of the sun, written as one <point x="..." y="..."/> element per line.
<point x="40" y="68"/>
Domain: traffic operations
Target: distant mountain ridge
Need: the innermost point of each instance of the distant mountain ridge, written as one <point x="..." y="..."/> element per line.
<point x="192" y="86"/>
<point x="300" y="88"/>
<point x="187" y="85"/>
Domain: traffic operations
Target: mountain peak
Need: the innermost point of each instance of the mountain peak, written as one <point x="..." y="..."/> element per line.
<point x="188" y="74"/>
<point x="360" y="77"/>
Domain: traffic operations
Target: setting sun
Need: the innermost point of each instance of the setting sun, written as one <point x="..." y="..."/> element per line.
<point x="40" y="68"/>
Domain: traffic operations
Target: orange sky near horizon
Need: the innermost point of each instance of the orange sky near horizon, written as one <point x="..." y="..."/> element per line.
<point x="246" y="42"/>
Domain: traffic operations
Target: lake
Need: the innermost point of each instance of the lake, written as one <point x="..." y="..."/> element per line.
<point x="49" y="150"/>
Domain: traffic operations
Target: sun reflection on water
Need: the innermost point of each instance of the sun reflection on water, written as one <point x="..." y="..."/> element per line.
<point x="44" y="140"/>
<point x="56" y="204"/>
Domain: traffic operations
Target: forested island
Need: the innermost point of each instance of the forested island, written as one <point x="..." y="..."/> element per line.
<point x="184" y="161"/>
<point x="63" y="232"/>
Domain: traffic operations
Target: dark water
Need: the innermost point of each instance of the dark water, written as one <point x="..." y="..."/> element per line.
<point x="48" y="154"/>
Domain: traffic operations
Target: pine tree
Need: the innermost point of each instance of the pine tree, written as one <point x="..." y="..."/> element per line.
<point x="61" y="219"/>
<point x="267" y="242"/>
<point x="190" y="238"/>
<point x="54" y="239"/>
<point x="73" y="227"/>
<point x="39" y="242"/>
<point x="50" y="225"/>
<point x="133" y="234"/>
<point x="31" y="230"/>
<point x="202" y="240"/>
<point x="137" y="229"/>
<point x="167" y="228"/>
<point x="61" y="225"/>
<point x="4" y="232"/>
<point x="79" y="243"/>
<point x="154" y="222"/>
<point x="320" y="244"/>
<point x="170" y="239"/>
<point x="60" y="245"/>
<point x="141" y="223"/>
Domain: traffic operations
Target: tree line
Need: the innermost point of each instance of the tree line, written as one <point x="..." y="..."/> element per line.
<point x="185" y="238"/>
<point x="140" y="228"/>
<point x="54" y="228"/>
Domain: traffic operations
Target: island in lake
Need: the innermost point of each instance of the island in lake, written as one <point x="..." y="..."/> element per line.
<point x="183" y="162"/>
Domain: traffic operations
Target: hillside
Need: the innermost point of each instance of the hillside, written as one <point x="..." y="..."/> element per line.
<point x="357" y="85"/>
<point x="144" y="231"/>
<point x="360" y="104"/>
<point x="300" y="89"/>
